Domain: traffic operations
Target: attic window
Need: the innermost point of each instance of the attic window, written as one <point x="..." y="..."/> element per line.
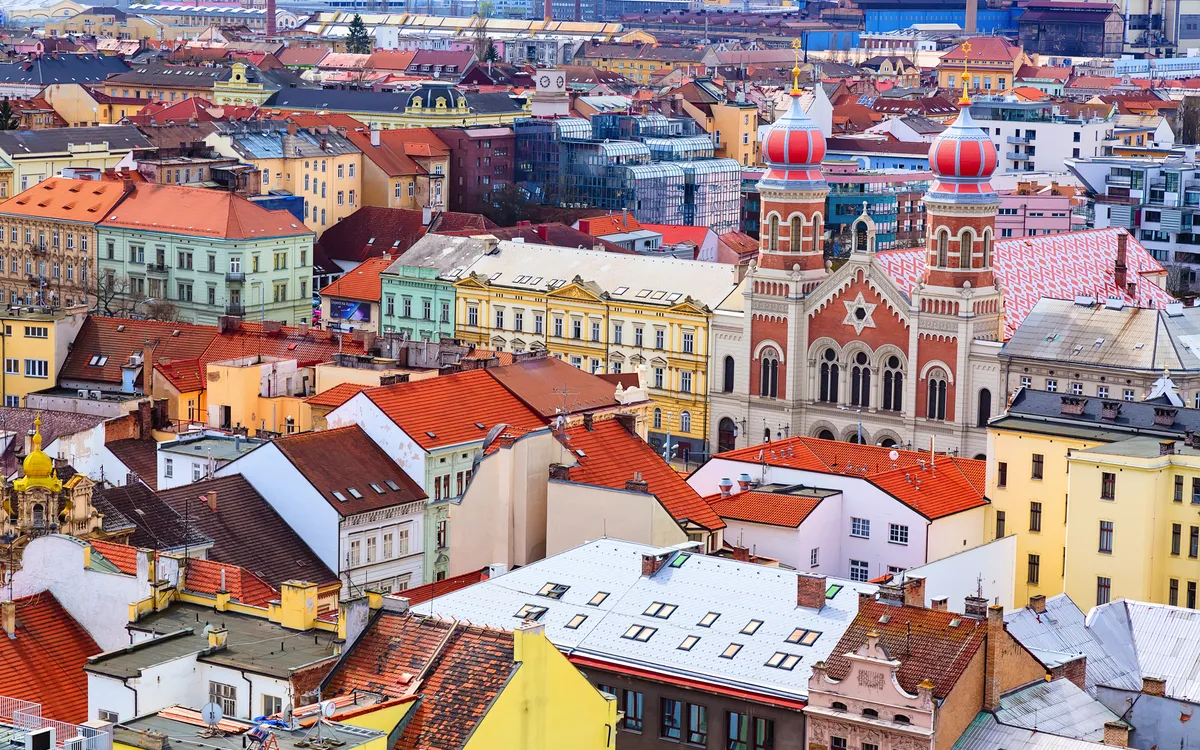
<point x="639" y="633"/>
<point x="833" y="590"/>
<point x="731" y="650"/>
<point x="621" y="290"/>
<point x="660" y="610"/>
<point x="752" y="627"/>
<point x="553" y="590"/>
<point x="355" y="493"/>
<point x="530" y="612"/>
<point x="803" y="636"/>
<point x="430" y="434"/>
<point x="120" y="328"/>
<point x="956" y="622"/>
<point x="679" y="560"/>
<point x="377" y="488"/>
<point x="598" y="599"/>
<point x="575" y="622"/>
<point x="885" y="619"/>
<point x="480" y="425"/>
<point x="392" y="486"/>
<point x="708" y="620"/>
<point x="688" y="642"/>
<point x="98" y="360"/>
<point x="780" y="660"/>
<point x="339" y="496"/>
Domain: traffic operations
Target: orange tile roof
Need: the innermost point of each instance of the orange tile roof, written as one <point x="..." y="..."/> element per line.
<point x="923" y="640"/>
<point x="248" y="339"/>
<point x="422" y="594"/>
<point x="451" y="409"/>
<point x="1030" y="93"/>
<point x="63" y="199"/>
<point x="603" y="226"/>
<point x="44" y="660"/>
<point x="611" y="454"/>
<point x="984" y="49"/>
<point x="337" y="395"/>
<point x="186" y="375"/>
<point x="673" y="234"/>
<point x="123" y="556"/>
<point x="502" y="358"/>
<point x="361" y="283"/>
<point x="205" y="577"/>
<point x="200" y="212"/>
<point x="774" y="509"/>
<point x="119" y="338"/>
<point x="945" y="486"/>
<point x="390" y="60"/>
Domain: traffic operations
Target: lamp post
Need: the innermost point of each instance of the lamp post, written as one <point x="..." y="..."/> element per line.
<point x="857" y="410"/>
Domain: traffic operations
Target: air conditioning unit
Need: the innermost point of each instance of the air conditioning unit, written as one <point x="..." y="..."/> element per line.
<point x="82" y="393"/>
<point x="94" y="395"/>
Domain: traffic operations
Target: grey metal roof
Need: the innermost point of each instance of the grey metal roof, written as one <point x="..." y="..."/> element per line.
<point x="1093" y="334"/>
<point x="16" y="144"/>
<point x="1160" y="640"/>
<point x="271" y="141"/>
<point x="62" y="68"/>
<point x="694" y="584"/>
<point x="1042" y="411"/>
<point x="442" y="252"/>
<point x="346" y="100"/>
<point x="985" y="733"/>
<point x="1059" y="707"/>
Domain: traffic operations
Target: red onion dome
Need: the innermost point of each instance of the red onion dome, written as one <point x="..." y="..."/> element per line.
<point x="963" y="150"/>
<point x="794" y="149"/>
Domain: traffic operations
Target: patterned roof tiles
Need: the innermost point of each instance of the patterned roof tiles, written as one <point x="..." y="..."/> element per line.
<point x="43" y="661"/>
<point x="1060" y="266"/>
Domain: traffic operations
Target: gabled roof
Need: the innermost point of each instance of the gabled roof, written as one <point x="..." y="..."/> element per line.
<point x="63" y="199"/>
<point x="249" y="339"/>
<point x="674" y="234"/>
<point x="451" y="409"/>
<point x="185" y="375"/>
<point x="116" y="339"/>
<point x="463" y="669"/>
<point x="199" y="212"/>
<point x="247" y="532"/>
<point x="984" y="49"/>
<point x="43" y="662"/>
<point x="337" y="395"/>
<point x="604" y="226"/>
<point x="44" y="70"/>
<point x="139" y="456"/>
<point x="209" y="577"/>
<point x="19" y="144"/>
<point x="373" y="230"/>
<point x="122" y="556"/>
<point x="1059" y="75"/>
<point x="157" y="525"/>
<point x="1059" y="266"/>
<point x="343" y="459"/>
<point x="362" y="282"/>
<point x="608" y="455"/>
<point x="391" y="59"/>
<point x="534" y="382"/>
<point x="302" y="56"/>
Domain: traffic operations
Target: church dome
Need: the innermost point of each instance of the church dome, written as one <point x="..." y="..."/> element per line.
<point x="963" y="151"/>
<point x="38" y="467"/>
<point x="794" y="140"/>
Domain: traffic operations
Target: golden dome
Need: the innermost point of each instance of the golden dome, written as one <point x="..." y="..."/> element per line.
<point x="38" y="467"/>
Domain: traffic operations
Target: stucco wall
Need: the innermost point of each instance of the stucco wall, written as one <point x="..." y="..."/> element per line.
<point x="578" y="513"/>
<point x="950" y="535"/>
<point x="992" y="566"/>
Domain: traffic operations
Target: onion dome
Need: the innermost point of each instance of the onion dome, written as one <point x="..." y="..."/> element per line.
<point x="963" y="158"/>
<point x="38" y="467"/>
<point x="794" y="149"/>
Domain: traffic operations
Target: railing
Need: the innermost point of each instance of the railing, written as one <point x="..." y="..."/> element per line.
<point x="156" y="267"/>
<point x="28" y="717"/>
<point x="235" y="277"/>
<point x="1016" y="139"/>
<point x="235" y="308"/>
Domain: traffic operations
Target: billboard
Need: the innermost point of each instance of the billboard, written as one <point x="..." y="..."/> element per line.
<point x="344" y="309"/>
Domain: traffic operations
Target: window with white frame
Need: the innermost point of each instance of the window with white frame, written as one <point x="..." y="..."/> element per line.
<point x="897" y="533"/>
<point x="168" y="467"/>
<point x="859" y="571"/>
<point x="389" y="545"/>
<point x="402" y="542"/>
<point x="197" y="472"/>
<point x="814" y="557"/>
<point x="860" y="527"/>
<point x="224" y="696"/>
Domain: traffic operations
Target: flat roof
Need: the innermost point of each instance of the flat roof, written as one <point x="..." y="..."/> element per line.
<point x="220" y="448"/>
<point x="185" y="733"/>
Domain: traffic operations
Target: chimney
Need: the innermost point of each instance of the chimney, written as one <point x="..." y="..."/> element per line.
<point x="741" y="554"/>
<point x="8" y="618"/>
<point x="743" y="482"/>
<point x="1119" y="269"/>
<point x="1166" y="448"/>
<point x="1075" y="670"/>
<point x="991" y="670"/>
<point x="548" y="11"/>
<point x="291" y="128"/>
<point x="210" y="499"/>
<point x="726" y="486"/>
<point x="587" y="421"/>
<point x="629" y="422"/>
<point x="270" y="17"/>
<point x="426" y="216"/>
<point x="559" y="471"/>
<point x="810" y="591"/>
<point x="145" y="419"/>
<point x="375" y="137"/>
<point x="891" y="594"/>
<point x="940" y="604"/>
<point x="218" y="637"/>
<point x="1164" y="416"/>
<point x="1073" y="405"/>
<point x="302" y="329"/>
<point x="542" y="231"/>
<point x="1154" y="686"/>
<point x="1116" y="734"/>
<point x="1189" y="438"/>
<point x="975" y="606"/>
<point x="1110" y="409"/>
<point x="651" y="564"/>
<point x="637" y="484"/>
<point x="914" y="591"/>
<point x="1037" y="603"/>
<point x="29" y="442"/>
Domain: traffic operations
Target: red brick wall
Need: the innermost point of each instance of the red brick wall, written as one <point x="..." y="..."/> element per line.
<point x="121" y="428"/>
<point x="889" y="328"/>
<point x="930" y="349"/>
<point x="763" y="328"/>
<point x="955" y="224"/>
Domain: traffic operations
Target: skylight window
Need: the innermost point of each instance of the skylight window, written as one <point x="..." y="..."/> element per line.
<point x="530" y="612"/>
<point x="660" y="610"/>
<point x="553" y="590"/>
<point x="575" y="622"/>
<point x="688" y="642"/>
<point x="392" y="486"/>
<point x="598" y="599"/>
<point x="731" y="650"/>
<point x="639" y="633"/>
<point x="377" y="488"/>
<point x="708" y="620"/>
<point x="355" y="493"/>
<point x="679" y="560"/>
<point x="885" y="619"/>
<point x="780" y="660"/>
<point x="956" y="622"/>
<point x="621" y="290"/>
<point x="98" y="360"/>
<point x="339" y="496"/>
<point x="803" y="636"/>
<point x="752" y="627"/>
<point x="833" y="590"/>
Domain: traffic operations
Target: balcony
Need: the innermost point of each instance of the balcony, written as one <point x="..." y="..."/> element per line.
<point x="1017" y="140"/>
<point x="1118" y="180"/>
<point x="157" y="268"/>
<point x="235" y="308"/>
<point x="235" y="277"/>
<point x="1016" y="156"/>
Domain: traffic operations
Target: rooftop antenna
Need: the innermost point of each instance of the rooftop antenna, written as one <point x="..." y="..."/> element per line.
<point x="212" y="715"/>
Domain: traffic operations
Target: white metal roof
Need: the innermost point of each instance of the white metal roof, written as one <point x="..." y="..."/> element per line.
<point x="695" y="585"/>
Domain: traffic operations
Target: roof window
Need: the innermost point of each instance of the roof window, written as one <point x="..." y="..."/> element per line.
<point x="530" y="612"/>
<point x="355" y="493"/>
<point x="553" y="590"/>
<point x="339" y="496"/>
<point x="731" y="650"/>
<point x="752" y="627"/>
<point x="575" y="622"/>
<point x="598" y="599"/>
<point x="98" y="360"/>
<point x="679" y="560"/>
<point x="803" y="636"/>
<point x="708" y="619"/>
<point x="660" y="610"/>
<point x="639" y="633"/>
<point x="377" y="488"/>
<point x="780" y="660"/>
<point x="392" y="486"/>
<point x="688" y="642"/>
<point x="833" y="590"/>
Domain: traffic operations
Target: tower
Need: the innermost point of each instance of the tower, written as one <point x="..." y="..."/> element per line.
<point x="793" y="194"/>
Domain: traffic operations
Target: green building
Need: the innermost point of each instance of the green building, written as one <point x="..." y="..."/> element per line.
<point x="417" y="291"/>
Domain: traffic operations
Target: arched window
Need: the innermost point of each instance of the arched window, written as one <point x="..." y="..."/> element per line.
<point x="766" y="434"/>
<point x="768" y="380"/>
<point x="773" y="234"/>
<point x="816" y="234"/>
<point x="901" y="719"/>
<point x="893" y="385"/>
<point x="838" y="706"/>
<point x="39" y="515"/>
<point x="860" y="237"/>
<point x="826" y="435"/>
<point x="727" y="380"/>
<point x="935" y="407"/>
<point x="987" y="248"/>
<point x="985" y="408"/>
<point x="796" y="234"/>
<point x="829" y="377"/>
<point x="887" y="443"/>
<point x="860" y="380"/>
<point x="658" y="419"/>
<point x="943" y="249"/>
<point x="726" y="435"/>
<point x="685" y="421"/>
<point x="870" y="713"/>
<point x="966" y="243"/>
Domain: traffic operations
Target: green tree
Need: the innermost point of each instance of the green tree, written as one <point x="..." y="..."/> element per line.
<point x="7" y="120"/>
<point x="359" y="41"/>
<point x="491" y="54"/>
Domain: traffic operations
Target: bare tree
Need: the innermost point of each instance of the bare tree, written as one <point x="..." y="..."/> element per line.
<point x="160" y="309"/>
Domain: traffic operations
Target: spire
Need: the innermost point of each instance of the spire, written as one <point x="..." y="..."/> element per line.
<point x="796" y="70"/>
<point x="965" y="99"/>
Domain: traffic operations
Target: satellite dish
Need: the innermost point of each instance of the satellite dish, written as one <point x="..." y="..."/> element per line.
<point x="211" y="714"/>
<point x="894" y="454"/>
<point x="328" y="709"/>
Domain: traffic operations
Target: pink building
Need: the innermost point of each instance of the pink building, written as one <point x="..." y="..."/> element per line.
<point x="1034" y="209"/>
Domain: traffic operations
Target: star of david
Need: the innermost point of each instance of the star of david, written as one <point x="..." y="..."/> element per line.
<point x="859" y="313"/>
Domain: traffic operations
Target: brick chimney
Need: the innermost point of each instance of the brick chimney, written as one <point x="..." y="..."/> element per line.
<point x="1075" y="670"/>
<point x="810" y="591"/>
<point x="210" y="499"/>
<point x="1120" y="271"/>
<point x="1116" y="734"/>
<point x="651" y="564"/>
<point x="1073" y="405"/>
<point x="914" y="591"/>
<point x="940" y="604"/>
<point x="1166" y="448"/>
<point x="560" y="471"/>
<point x="1154" y="686"/>
<point x="637" y="484"/>
<point x="1110" y="409"/>
<point x="8" y="618"/>
<point x="975" y="606"/>
<point x="1037" y="603"/>
<point x="991" y="669"/>
<point x="588" y="421"/>
<point x="865" y="597"/>
<point x="891" y="594"/>
<point x="741" y="554"/>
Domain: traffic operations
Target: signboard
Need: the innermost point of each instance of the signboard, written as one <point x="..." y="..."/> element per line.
<point x="344" y="309"/>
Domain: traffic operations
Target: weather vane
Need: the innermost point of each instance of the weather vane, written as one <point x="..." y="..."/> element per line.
<point x="966" y="98"/>
<point x="796" y="70"/>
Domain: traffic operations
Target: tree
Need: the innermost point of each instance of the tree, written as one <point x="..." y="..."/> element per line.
<point x="491" y="54"/>
<point x="359" y="41"/>
<point x="7" y="120"/>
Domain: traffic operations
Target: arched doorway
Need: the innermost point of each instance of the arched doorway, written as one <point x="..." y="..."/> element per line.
<point x="726" y="435"/>
<point x="985" y="408"/>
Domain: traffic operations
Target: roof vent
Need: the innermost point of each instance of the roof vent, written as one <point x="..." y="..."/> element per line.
<point x="1114" y="303"/>
<point x="1174" y="309"/>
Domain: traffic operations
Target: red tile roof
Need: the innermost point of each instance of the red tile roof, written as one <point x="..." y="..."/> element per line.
<point x="611" y="454"/>
<point x="293" y="55"/>
<point x="603" y="226"/>
<point x="205" y="577"/>
<point x="186" y="375"/>
<point x="1035" y="71"/>
<point x="248" y="339"/>
<point x="535" y="381"/>
<point x="945" y="486"/>
<point x="44" y="662"/>
<point x="673" y="234"/>
<point x="422" y="594"/>
<point x="123" y="556"/>
<point x="923" y="640"/>
<point x="984" y="49"/>
<point x="344" y="458"/>
<point x="502" y="358"/>
<point x="390" y="155"/>
<point x="452" y="409"/>
<point x="118" y="338"/>
<point x="774" y="509"/>
<point x="361" y="283"/>
<point x="139" y="456"/>
<point x="552" y="233"/>
<point x="395" y="60"/>
<point x="200" y="212"/>
<point x="372" y="230"/>
<point x="66" y="199"/>
<point x="337" y="395"/>
<point x="466" y="674"/>
<point x="1059" y="266"/>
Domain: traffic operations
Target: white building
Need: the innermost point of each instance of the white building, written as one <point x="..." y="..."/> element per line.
<point x="1036" y="136"/>
<point x="195" y="456"/>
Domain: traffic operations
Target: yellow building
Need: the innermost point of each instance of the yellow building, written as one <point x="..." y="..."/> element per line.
<point x="81" y="106"/>
<point x="36" y="15"/>
<point x="109" y="22"/>
<point x="318" y="164"/>
<point x="34" y="346"/>
<point x="736" y="128"/>
<point x="642" y="62"/>
<point x="243" y="86"/>
<point x="38" y="154"/>
<point x="991" y="64"/>
<point x="403" y="168"/>
<point x="433" y="105"/>
<point x="604" y="313"/>
<point x="262" y="393"/>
